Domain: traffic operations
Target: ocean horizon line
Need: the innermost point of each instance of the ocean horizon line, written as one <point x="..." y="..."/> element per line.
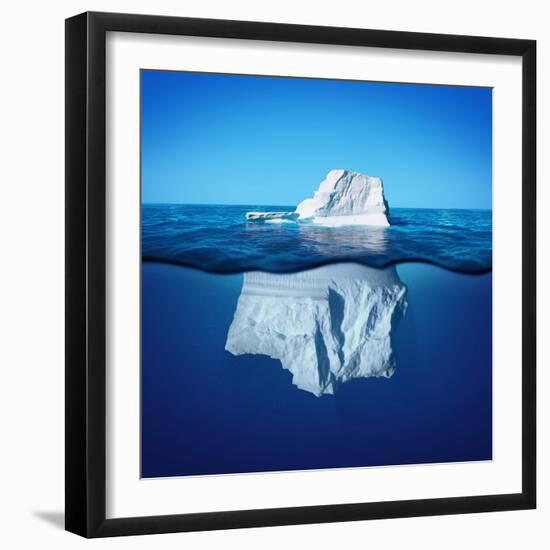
<point x="252" y="204"/>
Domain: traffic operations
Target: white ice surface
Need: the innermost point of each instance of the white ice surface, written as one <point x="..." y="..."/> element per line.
<point x="343" y="198"/>
<point x="346" y="194"/>
<point x="270" y="216"/>
<point x="376" y="218"/>
<point x="326" y="326"/>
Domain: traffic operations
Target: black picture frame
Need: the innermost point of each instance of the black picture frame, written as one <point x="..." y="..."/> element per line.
<point x="86" y="279"/>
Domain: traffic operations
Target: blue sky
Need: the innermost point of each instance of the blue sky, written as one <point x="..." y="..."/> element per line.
<point x="229" y="139"/>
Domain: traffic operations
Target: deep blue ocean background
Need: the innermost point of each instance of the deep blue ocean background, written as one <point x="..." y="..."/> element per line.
<point x="217" y="238"/>
<point x="205" y="411"/>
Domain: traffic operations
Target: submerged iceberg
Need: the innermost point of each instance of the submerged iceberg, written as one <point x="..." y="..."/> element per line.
<point x="326" y="326"/>
<point x="344" y="197"/>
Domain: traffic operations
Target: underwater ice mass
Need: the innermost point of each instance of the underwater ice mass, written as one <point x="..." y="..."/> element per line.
<point x="326" y="326"/>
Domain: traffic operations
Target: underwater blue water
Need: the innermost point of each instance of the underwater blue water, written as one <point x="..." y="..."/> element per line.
<point x="205" y="411"/>
<point x="217" y="238"/>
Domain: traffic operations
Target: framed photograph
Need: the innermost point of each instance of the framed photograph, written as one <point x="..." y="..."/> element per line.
<point x="300" y="274"/>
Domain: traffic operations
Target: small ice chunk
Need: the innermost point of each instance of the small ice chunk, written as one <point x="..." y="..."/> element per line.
<point x="266" y="216"/>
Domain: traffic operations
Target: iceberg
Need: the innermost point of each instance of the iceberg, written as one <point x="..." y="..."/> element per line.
<point x="347" y="198"/>
<point x="326" y="326"/>
<point x="344" y="197"/>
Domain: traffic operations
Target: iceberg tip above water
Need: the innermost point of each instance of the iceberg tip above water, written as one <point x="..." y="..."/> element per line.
<point x="344" y="197"/>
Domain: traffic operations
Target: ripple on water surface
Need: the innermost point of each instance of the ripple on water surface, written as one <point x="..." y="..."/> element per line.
<point x="219" y="239"/>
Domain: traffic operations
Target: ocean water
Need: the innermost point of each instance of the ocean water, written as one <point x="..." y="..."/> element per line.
<point x="218" y="239"/>
<point x="206" y="411"/>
